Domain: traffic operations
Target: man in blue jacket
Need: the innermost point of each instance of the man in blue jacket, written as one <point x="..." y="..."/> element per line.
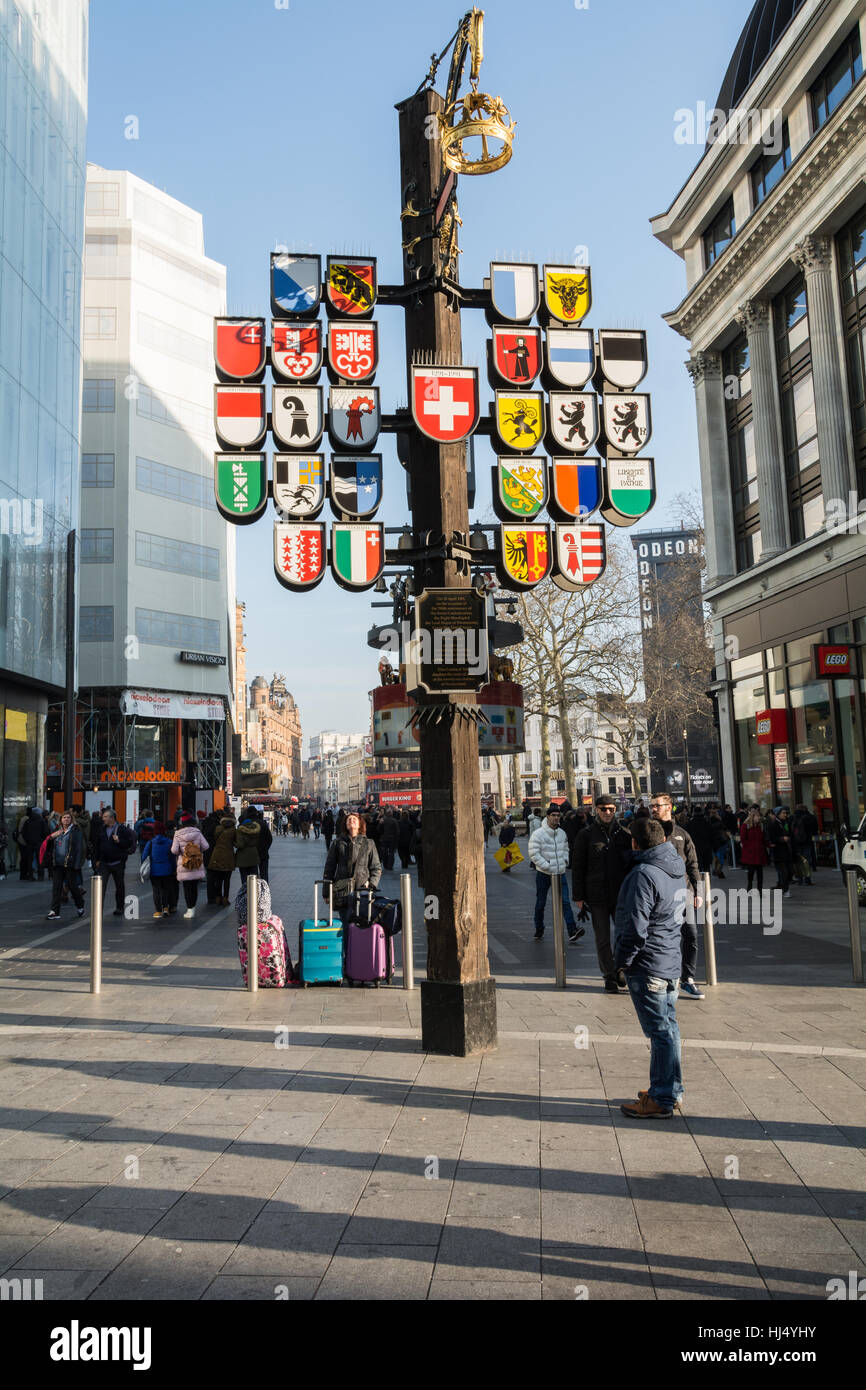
<point x="648" y="947"/>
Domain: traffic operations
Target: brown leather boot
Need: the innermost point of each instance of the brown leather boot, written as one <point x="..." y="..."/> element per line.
<point x="645" y="1108"/>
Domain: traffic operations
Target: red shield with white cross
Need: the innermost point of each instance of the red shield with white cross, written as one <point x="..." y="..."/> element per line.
<point x="445" y="402"/>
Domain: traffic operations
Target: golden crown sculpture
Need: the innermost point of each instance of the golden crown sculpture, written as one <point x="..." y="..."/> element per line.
<point x="484" y="118"/>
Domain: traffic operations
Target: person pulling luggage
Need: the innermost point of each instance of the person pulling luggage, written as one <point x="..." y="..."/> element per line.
<point x="352" y="862"/>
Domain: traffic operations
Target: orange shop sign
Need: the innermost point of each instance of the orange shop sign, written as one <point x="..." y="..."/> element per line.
<point x="121" y="777"/>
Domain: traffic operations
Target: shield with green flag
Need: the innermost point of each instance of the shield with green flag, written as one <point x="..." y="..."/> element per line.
<point x="519" y="487"/>
<point x="241" y="486"/>
<point x="629" y="490"/>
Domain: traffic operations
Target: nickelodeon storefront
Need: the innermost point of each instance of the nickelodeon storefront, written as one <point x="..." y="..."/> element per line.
<point x="143" y="750"/>
<point x="798" y="712"/>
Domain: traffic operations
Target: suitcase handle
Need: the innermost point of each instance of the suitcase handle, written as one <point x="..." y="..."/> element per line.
<point x="316" y="882"/>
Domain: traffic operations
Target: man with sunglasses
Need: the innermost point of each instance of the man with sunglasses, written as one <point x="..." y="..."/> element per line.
<point x="662" y="810"/>
<point x="601" y="859"/>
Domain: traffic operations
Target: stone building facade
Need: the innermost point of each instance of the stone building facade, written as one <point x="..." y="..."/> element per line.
<point x="772" y="231"/>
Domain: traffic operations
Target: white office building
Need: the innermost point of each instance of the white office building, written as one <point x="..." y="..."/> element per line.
<point x="157" y="587"/>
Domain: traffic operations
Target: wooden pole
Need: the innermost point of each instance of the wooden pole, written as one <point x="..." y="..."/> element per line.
<point x="458" y="998"/>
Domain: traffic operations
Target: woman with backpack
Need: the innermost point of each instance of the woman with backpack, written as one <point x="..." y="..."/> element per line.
<point x="163" y="876"/>
<point x="190" y="847"/>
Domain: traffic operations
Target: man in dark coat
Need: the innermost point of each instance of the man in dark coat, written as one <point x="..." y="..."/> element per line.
<point x="700" y="830"/>
<point x="600" y="861"/>
<point x="388" y="840"/>
<point x="32" y="833"/>
<point x="111" y="850"/>
<point x="662" y="810"/>
<point x="648" y="946"/>
<point x="328" y="827"/>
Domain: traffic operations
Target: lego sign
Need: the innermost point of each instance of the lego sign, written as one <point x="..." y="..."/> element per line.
<point x="831" y="662"/>
<point x="771" y="726"/>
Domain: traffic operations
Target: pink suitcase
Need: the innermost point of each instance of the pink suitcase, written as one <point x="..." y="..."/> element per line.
<point x="369" y="954"/>
<point x="275" y="966"/>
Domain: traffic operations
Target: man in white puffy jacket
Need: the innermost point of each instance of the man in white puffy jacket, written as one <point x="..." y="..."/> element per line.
<point x="548" y="851"/>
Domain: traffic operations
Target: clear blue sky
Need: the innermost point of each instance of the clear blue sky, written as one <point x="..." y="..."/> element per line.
<point x="277" y="124"/>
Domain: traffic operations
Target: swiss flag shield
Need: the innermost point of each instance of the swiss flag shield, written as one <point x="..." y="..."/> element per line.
<point x="239" y="348"/>
<point x="445" y="402"/>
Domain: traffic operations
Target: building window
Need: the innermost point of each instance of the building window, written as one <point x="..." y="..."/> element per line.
<point x="851" y="245"/>
<point x="175" y="483"/>
<point x="487" y="788"/>
<point x="96" y="625"/>
<point x="611" y="786"/>
<point x="103" y="199"/>
<point x="589" y="760"/>
<point x="843" y="70"/>
<point x="99" y="395"/>
<point x="611" y="759"/>
<point x="180" y="557"/>
<point x="100" y="323"/>
<point x="100" y="244"/>
<point x="741" y="453"/>
<point x="797" y="401"/>
<point x="97" y="470"/>
<point x="719" y="234"/>
<point x="642" y="783"/>
<point x="97" y="545"/>
<point x="173" y="410"/>
<point x="174" y="342"/>
<point x="485" y="764"/>
<point x="609" y="736"/>
<point x="769" y="168"/>
<point x="181" y="630"/>
<point x="527" y="762"/>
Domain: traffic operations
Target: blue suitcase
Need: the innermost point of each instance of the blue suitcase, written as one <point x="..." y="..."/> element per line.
<point x="320" y="947"/>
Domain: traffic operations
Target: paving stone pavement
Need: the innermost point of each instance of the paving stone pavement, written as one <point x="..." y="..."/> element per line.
<point x="177" y="1138"/>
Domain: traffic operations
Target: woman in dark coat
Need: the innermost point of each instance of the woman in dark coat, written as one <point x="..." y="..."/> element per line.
<point x="68" y="844"/>
<point x="352" y="861"/>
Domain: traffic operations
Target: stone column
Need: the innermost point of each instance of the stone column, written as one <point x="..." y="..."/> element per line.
<point x="705" y="370"/>
<point x="769" y="455"/>
<point x="814" y="256"/>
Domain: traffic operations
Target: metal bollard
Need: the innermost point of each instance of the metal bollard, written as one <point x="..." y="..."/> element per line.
<point x="408" y="943"/>
<point x="709" y="932"/>
<point x="854" y="926"/>
<point x="253" y="932"/>
<point x="96" y="887"/>
<point x="558" y="931"/>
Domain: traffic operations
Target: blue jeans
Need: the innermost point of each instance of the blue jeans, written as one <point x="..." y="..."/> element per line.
<point x="655" y="1002"/>
<point x="542" y="888"/>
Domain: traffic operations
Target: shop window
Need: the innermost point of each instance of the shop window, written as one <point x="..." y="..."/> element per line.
<point x="753" y="758"/>
<point x="801" y="650"/>
<point x="811" y="723"/>
<point x="746" y="666"/>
